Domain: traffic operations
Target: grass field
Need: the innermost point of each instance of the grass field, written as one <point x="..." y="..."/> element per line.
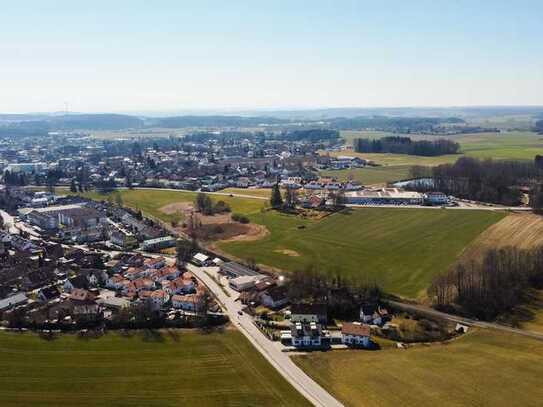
<point x="178" y="369"/>
<point x="484" y="368"/>
<point x="371" y="175"/>
<point x="150" y="201"/>
<point x="518" y="145"/>
<point x="258" y="192"/>
<point x="401" y="249"/>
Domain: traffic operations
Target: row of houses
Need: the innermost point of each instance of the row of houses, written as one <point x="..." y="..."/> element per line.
<point x="308" y="322"/>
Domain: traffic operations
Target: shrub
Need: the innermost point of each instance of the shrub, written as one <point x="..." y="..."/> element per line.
<point x="236" y="217"/>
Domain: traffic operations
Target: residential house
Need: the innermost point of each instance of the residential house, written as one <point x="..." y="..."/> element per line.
<point x="188" y="302"/>
<point x="80" y="282"/>
<point x="47" y="294"/>
<point x="355" y="334"/>
<point x="275" y="297"/>
<point x="306" y="335"/>
<point x="158" y="298"/>
<point x="309" y="313"/>
<point x="154" y="263"/>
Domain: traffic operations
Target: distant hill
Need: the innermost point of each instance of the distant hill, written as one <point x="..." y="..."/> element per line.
<point x="70" y="122"/>
<point x="214" y="121"/>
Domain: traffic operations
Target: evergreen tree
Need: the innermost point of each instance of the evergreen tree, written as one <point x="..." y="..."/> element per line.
<point x="73" y="186"/>
<point x="276" y="200"/>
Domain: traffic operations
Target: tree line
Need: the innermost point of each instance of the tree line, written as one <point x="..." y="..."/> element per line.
<point x="482" y="180"/>
<point x="496" y="285"/>
<point x="342" y="296"/>
<point x="405" y="145"/>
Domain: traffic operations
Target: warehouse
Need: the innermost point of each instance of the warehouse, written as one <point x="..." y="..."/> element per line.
<point x="384" y="196"/>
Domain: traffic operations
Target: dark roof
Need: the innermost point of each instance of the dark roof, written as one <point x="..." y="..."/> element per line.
<point x="40" y="277"/>
<point x="79" y="281"/>
<point x="368" y="309"/>
<point x="237" y="269"/>
<point x="277" y="293"/>
<point x="308" y="309"/>
<point x="50" y="292"/>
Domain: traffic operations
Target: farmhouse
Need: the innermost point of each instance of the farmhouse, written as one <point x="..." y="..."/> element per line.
<point x="355" y="334"/>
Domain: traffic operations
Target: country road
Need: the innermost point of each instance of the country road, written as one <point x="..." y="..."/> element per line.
<point x="278" y="359"/>
<point x="421" y="309"/>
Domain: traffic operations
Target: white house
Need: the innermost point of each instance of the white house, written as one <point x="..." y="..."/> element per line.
<point x="355" y="334"/>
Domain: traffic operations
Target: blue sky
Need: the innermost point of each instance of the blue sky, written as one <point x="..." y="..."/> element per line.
<point x="178" y="55"/>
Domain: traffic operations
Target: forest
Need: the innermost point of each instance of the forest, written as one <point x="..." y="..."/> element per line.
<point x="493" y="181"/>
<point x="405" y="145"/>
<point x="497" y="284"/>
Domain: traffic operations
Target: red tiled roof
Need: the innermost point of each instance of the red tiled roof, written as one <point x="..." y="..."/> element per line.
<point x="349" y="328"/>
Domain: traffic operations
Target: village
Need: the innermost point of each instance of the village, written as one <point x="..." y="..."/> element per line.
<point x="71" y="263"/>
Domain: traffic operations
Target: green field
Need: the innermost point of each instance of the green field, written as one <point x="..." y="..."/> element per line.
<point x="150" y="201"/>
<point x="371" y="175"/>
<point x="176" y="368"/>
<point x="401" y="249"/>
<point x="257" y="192"/>
<point x="517" y="145"/>
<point x="484" y="368"/>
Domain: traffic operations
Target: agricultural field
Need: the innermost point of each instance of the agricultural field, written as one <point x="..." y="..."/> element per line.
<point x="509" y="145"/>
<point x="517" y="145"/>
<point x="401" y="249"/>
<point x="370" y="175"/>
<point x="522" y="230"/>
<point x="166" y="368"/>
<point x="483" y="368"/>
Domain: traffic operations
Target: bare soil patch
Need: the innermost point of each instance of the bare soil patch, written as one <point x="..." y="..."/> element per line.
<point x="177" y="207"/>
<point x="288" y="252"/>
<point x="215" y="227"/>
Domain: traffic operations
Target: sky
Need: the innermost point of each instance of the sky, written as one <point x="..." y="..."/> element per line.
<point x="129" y="56"/>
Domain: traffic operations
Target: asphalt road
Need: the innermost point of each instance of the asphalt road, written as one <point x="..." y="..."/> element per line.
<point x="278" y="359"/>
<point x="9" y="222"/>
